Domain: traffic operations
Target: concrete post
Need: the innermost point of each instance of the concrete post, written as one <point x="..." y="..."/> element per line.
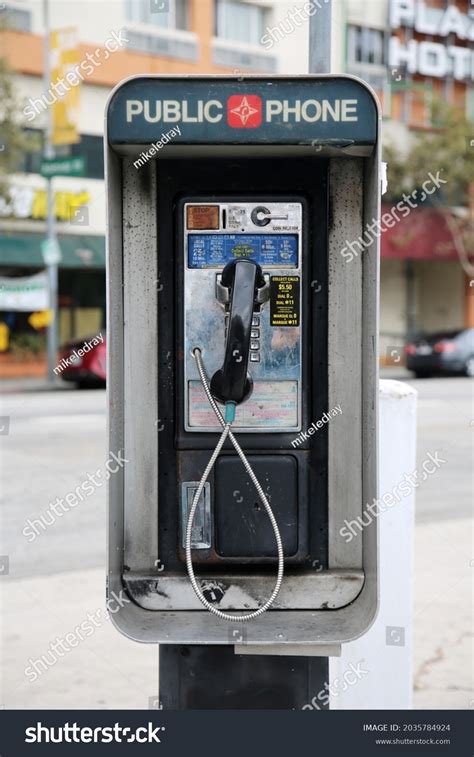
<point x="375" y="672"/>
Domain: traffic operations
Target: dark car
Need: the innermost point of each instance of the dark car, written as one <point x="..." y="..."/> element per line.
<point x="448" y="352"/>
<point x="83" y="361"/>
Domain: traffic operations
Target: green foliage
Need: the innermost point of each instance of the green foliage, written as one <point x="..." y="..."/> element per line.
<point x="445" y="149"/>
<point x="26" y="343"/>
<point x="13" y="140"/>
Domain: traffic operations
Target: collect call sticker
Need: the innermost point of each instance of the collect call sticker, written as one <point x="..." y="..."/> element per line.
<point x="284" y="301"/>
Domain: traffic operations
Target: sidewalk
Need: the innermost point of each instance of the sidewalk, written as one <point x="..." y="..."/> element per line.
<point x="29" y="384"/>
<point x="442" y="617"/>
<point x="107" y="671"/>
<point x="104" y="671"/>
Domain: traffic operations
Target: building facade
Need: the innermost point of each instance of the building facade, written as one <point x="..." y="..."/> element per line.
<point x="116" y="39"/>
<point x="408" y="50"/>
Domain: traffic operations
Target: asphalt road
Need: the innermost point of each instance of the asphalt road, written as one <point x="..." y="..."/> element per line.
<point x="57" y="438"/>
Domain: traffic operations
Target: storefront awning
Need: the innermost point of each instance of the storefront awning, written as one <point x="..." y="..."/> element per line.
<point x="24" y="250"/>
<point x="423" y="234"/>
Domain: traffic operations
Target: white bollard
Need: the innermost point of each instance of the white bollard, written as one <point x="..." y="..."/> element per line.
<point x="375" y="672"/>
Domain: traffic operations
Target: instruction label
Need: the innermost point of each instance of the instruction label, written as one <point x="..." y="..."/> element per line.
<point x="273" y="404"/>
<point x="284" y="301"/>
<point x="215" y="250"/>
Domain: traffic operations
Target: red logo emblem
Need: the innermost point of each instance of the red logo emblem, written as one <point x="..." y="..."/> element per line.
<point x="244" y="111"/>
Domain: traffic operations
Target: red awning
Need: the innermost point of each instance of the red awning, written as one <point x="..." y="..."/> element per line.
<point x="424" y="234"/>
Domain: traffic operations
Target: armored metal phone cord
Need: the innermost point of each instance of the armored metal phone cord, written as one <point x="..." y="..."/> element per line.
<point x="226" y="425"/>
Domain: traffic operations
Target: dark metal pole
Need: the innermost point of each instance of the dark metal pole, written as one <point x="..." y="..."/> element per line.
<point x="207" y="677"/>
<point x="51" y="264"/>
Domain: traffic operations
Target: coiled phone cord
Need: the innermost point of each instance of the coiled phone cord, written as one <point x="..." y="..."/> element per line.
<point x="226" y="424"/>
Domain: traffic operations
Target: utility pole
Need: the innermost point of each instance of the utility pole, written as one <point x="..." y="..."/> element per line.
<point x="52" y="243"/>
<point x="320" y="39"/>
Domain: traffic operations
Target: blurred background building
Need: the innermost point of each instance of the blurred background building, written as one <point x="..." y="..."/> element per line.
<point x="406" y="50"/>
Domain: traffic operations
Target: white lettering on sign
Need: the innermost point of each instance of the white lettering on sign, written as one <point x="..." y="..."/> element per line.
<point x="431" y="58"/>
<point x="175" y="111"/>
<point x="212" y="111"/>
<point x="311" y="110"/>
<point x="425" y="19"/>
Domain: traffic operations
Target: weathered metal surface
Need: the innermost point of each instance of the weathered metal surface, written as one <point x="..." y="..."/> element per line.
<point x="289" y="650"/>
<point x="324" y="590"/>
<point x="140" y="365"/>
<point x="345" y="362"/>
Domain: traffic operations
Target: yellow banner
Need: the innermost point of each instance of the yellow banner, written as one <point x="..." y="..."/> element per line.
<point x="65" y="84"/>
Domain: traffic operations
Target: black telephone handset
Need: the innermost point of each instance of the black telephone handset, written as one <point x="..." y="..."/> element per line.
<point x="232" y="382"/>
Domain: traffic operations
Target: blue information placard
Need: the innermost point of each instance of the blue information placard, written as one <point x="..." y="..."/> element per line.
<point x="268" y="250"/>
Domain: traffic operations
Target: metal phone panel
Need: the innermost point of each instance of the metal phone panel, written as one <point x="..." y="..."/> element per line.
<point x="271" y="234"/>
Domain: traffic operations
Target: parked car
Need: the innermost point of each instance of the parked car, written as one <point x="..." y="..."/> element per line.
<point x="87" y="369"/>
<point x="448" y="352"/>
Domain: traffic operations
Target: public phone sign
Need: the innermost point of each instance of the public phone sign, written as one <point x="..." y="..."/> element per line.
<point x="333" y="109"/>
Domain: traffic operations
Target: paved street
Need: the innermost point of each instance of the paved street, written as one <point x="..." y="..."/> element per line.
<point x="57" y="437"/>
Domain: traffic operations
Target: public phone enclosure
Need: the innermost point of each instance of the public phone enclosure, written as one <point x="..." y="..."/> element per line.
<point x="272" y="180"/>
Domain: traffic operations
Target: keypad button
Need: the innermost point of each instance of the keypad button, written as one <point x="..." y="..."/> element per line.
<point x="255" y="345"/>
<point x="255" y="333"/>
<point x="256" y="320"/>
<point x="254" y="357"/>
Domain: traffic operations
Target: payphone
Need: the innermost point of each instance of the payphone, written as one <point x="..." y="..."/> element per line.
<point x="242" y="310"/>
<point x="236" y="326"/>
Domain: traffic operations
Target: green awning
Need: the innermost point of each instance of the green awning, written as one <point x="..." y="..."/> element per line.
<point x="77" y="251"/>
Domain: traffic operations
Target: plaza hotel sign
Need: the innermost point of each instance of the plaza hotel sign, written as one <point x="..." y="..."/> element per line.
<point x="440" y="56"/>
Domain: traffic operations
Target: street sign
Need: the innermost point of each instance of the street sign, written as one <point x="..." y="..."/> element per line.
<point x="51" y="251"/>
<point x="63" y="166"/>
